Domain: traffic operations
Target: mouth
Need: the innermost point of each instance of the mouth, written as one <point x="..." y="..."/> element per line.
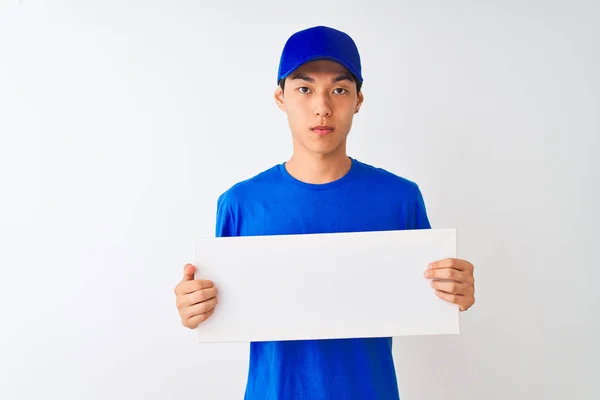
<point x="322" y="129"/>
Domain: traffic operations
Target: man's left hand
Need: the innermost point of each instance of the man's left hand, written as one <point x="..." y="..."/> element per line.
<point x="453" y="281"/>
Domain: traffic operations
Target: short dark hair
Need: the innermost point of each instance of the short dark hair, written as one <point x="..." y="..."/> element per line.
<point x="358" y="83"/>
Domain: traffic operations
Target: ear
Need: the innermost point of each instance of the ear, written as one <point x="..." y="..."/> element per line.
<point x="359" y="100"/>
<point x="278" y="95"/>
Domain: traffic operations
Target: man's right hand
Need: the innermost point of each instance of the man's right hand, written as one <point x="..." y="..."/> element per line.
<point x="196" y="299"/>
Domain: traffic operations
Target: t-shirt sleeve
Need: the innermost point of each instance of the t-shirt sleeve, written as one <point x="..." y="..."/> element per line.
<point x="225" y="224"/>
<point x="418" y="218"/>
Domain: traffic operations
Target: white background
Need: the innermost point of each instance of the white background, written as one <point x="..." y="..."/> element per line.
<point x="121" y="122"/>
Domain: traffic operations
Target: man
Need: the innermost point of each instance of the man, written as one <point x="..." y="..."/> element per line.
<point x="320" y="189"/>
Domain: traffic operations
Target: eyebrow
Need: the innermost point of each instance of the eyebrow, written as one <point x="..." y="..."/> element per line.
<point x="341" y="77"/>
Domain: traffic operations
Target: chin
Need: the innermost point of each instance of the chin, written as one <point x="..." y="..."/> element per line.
<point x="325" y="150"/>
<point x="322" y="146"/>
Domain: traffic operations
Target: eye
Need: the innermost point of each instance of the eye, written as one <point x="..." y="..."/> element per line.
<point x="302" y="89"/>
<point x="337" y="90"/>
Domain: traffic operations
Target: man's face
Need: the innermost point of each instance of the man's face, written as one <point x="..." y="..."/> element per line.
<point x="320" y="94"/>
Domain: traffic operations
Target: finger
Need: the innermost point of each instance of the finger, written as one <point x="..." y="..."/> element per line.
<point x="198" y="297"/>
<point x="451" y="287"/>
<point x="447" y="274"/>
<point x="463" y="302"/>
<point x="449" y="297"/>
<point x="196" y="320"/>
<point x="186" y="287"/>
<point x="198" y="309"/>
<point x="453" y="263"/>
<point x="188" y="272"/>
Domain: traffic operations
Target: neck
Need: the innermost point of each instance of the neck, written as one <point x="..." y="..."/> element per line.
<point x="318" y="168"/>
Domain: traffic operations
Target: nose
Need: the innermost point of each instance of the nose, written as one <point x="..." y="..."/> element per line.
<point x="322" y="105"/>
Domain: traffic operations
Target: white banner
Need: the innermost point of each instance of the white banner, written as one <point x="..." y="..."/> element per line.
<point x="324" y="286"/>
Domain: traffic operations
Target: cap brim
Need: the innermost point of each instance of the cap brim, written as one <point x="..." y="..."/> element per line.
<point x="323" y="57"/>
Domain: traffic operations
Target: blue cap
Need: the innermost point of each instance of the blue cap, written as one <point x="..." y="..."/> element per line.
<point x="319" y="43"/>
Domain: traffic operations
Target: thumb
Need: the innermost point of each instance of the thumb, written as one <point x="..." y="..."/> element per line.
<point x="188" y="272"/>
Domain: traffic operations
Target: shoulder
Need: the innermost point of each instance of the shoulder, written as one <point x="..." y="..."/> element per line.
<point x="402" y="191"/>
<point x="388" y="180"/>
<point x="249" y="188"/>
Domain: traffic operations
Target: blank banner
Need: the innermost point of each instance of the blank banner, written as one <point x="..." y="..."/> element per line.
<point x="325" y="286"/>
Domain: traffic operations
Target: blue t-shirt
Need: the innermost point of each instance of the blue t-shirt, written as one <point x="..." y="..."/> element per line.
<point x="275" y="203"/>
